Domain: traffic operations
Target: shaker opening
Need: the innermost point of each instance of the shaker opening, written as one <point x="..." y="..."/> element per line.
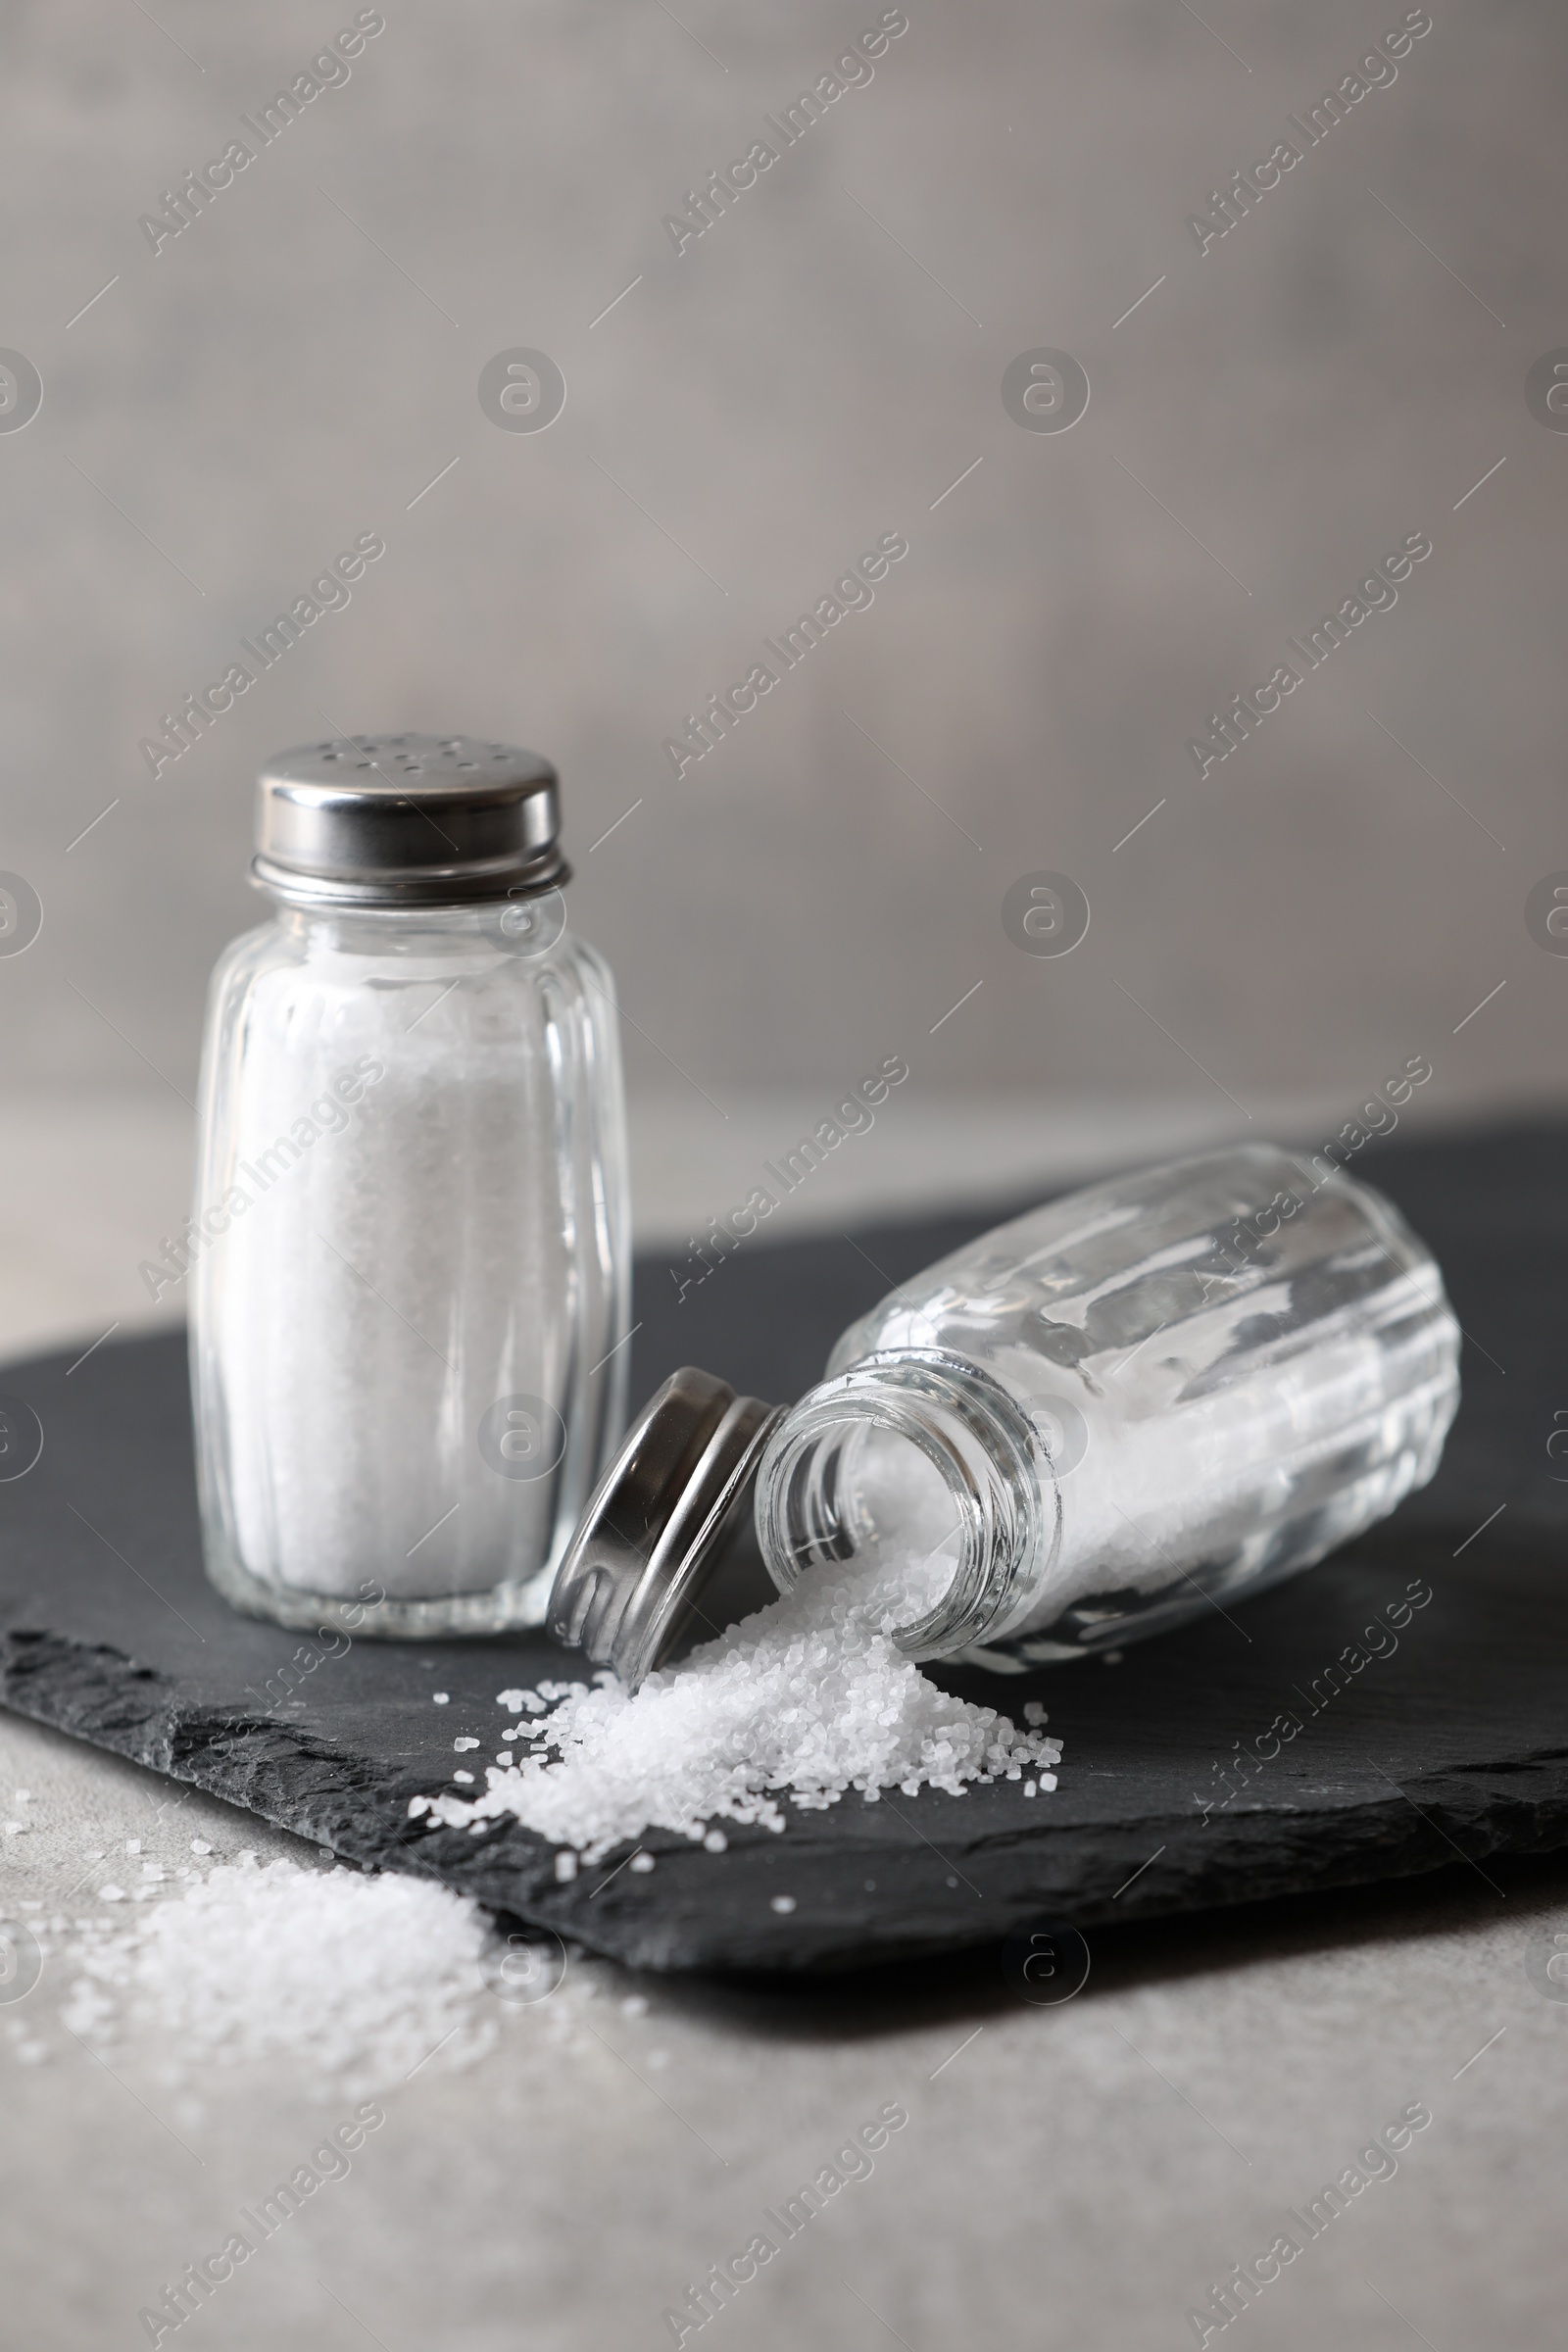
<point x="869" y="1494"/>
<point x="902" y="1516"/>
<point x="923" y="1468"/>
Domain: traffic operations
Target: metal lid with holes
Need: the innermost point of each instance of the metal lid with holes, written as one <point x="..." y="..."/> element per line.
<point x="407" y="821"/>
<point x="627" y="1585"/>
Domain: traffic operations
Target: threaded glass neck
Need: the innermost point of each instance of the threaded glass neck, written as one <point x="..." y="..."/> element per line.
<point x="904" y="1451"/>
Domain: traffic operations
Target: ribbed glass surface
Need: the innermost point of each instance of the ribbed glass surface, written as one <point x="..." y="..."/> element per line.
<point x="403" y="1343"/>
<point x="1234" y="1365"/>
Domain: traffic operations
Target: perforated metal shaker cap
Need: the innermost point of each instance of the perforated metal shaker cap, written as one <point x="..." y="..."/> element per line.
<point x="629" y="1583"/>
<point x="407" y="821"/>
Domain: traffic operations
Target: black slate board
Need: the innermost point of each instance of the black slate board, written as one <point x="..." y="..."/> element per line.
<point x="1456" y="1743"/>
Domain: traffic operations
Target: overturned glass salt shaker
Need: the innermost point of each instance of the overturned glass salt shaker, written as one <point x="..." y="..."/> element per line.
<point x="411" y="1236"/>
<point x="1158" y="1394"/>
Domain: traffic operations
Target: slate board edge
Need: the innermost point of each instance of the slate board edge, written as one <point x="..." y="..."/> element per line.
<point x="1434" y="1821"/>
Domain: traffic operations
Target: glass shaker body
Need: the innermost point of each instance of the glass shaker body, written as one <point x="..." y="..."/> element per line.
<point x="1154" y="1396"/>
<point x="412" y="1266"/>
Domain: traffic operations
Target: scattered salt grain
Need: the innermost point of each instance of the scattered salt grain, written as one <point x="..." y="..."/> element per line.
<point x="634" y="2005"/>
<point x="1034" y="1712"/>
<point x="200" y="1845"/>
<point x="15" y="1829"/>
<point x="463" y="1776"/>
<point x="566" y="1866"/>
<point x="715" y="1842"/>
<point x="641" y="1862"/>
<point x="460" y="1744"/>
<point x="1029" y="1788"/>
<point x="441" y="1699"/>
<point x="512" y="1700"/>
<point x="811" y="1695"/>
<point x="358" y="1979"/>
<point x="24" y="1796"/>
<point x="782" y="1902"/>
<point x="134" y="1845"/>
<point x="111" y="1894"/>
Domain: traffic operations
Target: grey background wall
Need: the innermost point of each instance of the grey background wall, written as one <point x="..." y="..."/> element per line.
<point x="814" y="370"/>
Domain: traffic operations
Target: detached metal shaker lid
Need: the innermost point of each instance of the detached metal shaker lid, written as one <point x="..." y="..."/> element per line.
<point x="652" y="1529"/>
<point x="407" y="821"/>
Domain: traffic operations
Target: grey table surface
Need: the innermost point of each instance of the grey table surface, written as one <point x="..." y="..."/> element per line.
<point x="1070" y="2175"/>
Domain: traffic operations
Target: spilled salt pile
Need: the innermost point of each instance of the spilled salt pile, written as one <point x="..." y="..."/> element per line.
<point x="810" y="1695"/>
<point x="360" y="1979"/>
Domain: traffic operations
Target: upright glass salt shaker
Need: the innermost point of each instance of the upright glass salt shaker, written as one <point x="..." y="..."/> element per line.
<point x="411" y="1236"/>
<point x="1151" y="1396"/>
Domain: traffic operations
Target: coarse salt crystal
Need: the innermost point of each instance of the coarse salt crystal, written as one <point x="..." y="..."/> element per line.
<point x="461" y="1745"/>
<point x="811" y="1695"/>
<point x="361" y="1979"/>
<point x="463" y="1776"/>
<point x="441" y="1699"/>
<point x="640" y="1863"/>
<point x="512" y="1700"/>
<point x="200" y="1845"/>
